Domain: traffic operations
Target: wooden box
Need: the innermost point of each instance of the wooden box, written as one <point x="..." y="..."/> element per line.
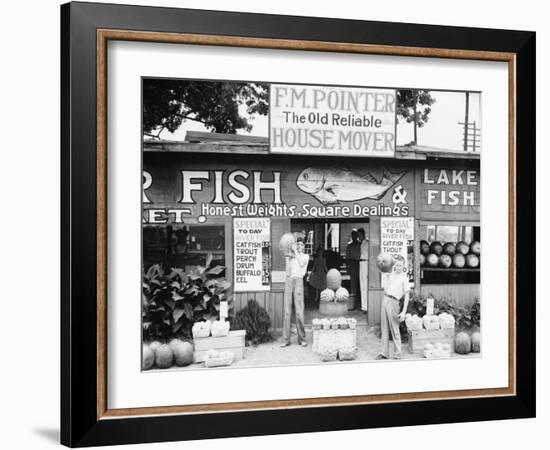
<point x="234" y="342"/>
<point x="333" y="309"/>
<point x="419" y="338"/>
<point x="334" y="338"/>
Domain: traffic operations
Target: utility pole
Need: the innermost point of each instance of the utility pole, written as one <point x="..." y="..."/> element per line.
<point x="466" y="121"/>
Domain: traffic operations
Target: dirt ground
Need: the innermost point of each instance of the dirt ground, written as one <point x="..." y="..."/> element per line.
<point x="271" y="354"/>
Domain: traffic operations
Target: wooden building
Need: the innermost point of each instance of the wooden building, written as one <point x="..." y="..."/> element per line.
<point x="195" y="191"/>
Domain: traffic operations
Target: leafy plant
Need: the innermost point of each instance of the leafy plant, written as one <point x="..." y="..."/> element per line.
<point x="173" y="301"/>
<point x="255" y="320"/>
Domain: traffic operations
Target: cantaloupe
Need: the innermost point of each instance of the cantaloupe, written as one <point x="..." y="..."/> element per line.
<point x="334" y="279"/>
<point x="148" y="357"/>
<point x="164" y="356"/>
<point x="476" y="342"/>
<point x="463" y="343"/>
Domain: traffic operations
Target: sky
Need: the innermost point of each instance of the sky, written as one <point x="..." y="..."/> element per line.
<point x="442" y="129"/>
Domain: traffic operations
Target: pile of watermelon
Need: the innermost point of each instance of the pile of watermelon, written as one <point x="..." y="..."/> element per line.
<point x="334" y="292"/>
<point x="164" y="356"/>
<point x="449" y="254"/>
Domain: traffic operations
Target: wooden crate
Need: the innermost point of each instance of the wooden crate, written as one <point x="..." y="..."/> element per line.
<point x="337" y="338"/>
<point x="419" y="338"/>
<point x="234" y="342"/>
<point x="333" y="309"/>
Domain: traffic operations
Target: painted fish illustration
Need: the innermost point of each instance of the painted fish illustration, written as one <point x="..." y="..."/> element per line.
<point x="332" y="185"/>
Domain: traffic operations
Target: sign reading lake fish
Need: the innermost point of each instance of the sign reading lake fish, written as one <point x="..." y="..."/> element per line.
<point x="331" y="120"/>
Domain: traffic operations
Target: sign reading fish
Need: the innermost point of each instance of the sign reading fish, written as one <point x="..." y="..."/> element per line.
<point x="198" y="191"/>
<point x="332" y="120"/>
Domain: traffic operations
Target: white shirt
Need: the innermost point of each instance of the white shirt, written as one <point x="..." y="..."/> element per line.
<point x="297" y="265"/>
<point x="396" y="284"/>
<point x="365" y="249"/>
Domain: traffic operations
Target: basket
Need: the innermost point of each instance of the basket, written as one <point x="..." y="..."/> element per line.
<point x="200" y="333"/>
<point x="328" y="355"/>
<point x="224" y="360"/>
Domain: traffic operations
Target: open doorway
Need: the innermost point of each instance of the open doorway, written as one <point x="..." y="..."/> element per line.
<point x="326" y="241"/>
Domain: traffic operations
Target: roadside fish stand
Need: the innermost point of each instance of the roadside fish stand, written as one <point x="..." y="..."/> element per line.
<point x="227" y="199"/>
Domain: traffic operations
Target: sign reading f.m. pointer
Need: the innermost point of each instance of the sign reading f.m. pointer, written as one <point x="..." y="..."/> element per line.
<point x="332" y="120"/>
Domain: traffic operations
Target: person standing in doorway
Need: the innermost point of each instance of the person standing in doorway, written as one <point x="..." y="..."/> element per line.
<point x="318" y="277"/>
<point x="296" y="267"/>
<point x="353" y="255"/>
<point x="363" y="268"/>
<point x="396" y="286"/>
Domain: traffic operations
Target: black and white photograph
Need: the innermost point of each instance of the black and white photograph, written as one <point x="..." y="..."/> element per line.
<point x="299" y="224"/>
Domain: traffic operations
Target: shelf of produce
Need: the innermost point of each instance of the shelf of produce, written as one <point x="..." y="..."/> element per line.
<point x="450" y="269"/>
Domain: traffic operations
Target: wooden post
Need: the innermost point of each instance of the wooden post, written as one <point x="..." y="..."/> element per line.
<point x="466" y="121"/>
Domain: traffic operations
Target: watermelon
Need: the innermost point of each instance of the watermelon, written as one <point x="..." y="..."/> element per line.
<point x="436" y="247"/>
<point x="472" y="261"/>
<point x="164" y="356"/>
<point x="463" y="248"/>
<point x="286" y="242"/>
<point x="154" y="345"/>
<point x="475" y="248"/>
<point x="476" y="342"/>
<point x="449" y="249"/>
<point x="463" y="343"/>
<point x="334" y="279"/>
<point x="385" y="262"/>
<point x="459" y="260"/>
<point x="424" y="247"/>
<point x="445" y="261"/>
<point x="183" y="353"/>
<point x="174" y="343"/>
<point x="148" y="357"/>
<point x="432" y="260"/>
<point x="327" y="295"/>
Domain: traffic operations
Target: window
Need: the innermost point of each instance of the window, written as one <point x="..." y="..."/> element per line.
<point x="183" y="246"/>
<point x="442" y="262"/>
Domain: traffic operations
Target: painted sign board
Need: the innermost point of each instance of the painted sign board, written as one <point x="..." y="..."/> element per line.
<point x="251" y="254"/>
<point x="193" y="191"/>
<point x="332" y="120"/>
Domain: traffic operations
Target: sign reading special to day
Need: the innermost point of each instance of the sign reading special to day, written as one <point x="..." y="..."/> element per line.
<point x="396" y="238"/>
<point x="252" y="254"/>
<point x="352" y="121"/>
